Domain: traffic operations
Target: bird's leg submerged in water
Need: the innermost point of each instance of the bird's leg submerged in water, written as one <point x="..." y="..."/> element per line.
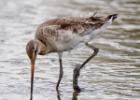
<point x="58" y="95"/>
<point x="61" y="71"/>
<point x="78" y="68"/>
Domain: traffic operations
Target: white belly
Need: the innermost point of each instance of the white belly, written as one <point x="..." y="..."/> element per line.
<point x="68" y="41"/>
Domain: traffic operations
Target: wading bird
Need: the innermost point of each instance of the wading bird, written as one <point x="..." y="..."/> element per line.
<point x="63" y="34"/>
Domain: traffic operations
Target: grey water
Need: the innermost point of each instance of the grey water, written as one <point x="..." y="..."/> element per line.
<point x="114" y="74"/>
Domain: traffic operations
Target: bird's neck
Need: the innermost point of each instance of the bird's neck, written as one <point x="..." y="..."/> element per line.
<point x="42" y="49"/>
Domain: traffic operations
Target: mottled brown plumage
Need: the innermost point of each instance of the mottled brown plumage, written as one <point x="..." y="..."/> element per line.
<point x="75" y="23"/>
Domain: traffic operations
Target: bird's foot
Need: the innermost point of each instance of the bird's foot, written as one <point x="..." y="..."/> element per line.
<point x="77" y="89"/>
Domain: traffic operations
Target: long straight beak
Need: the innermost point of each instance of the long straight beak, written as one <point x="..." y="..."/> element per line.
<point x="32" y="80"/>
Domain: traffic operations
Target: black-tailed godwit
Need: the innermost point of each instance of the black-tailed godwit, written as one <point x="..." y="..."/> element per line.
<point x="63" y="34"/>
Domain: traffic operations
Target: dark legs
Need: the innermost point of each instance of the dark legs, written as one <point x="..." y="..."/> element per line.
<point x="60" y="72"/>
<point x="75" y="95"/>
<point x="58" y="95"/>
<point x="78" y="68"/>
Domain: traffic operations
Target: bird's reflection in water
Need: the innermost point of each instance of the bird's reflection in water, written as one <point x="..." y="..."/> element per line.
<point x="58" y="95"/>
<point x="74" y="95"/>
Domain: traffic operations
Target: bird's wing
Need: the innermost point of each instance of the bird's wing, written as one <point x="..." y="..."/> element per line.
<point x="82" y="26"/>
<point x="50" y="35"/>
<point x="70" y="20"/>
<point x="63" y="21"/>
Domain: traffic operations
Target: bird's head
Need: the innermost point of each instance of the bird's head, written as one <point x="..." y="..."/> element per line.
<point x="32" y="50"/>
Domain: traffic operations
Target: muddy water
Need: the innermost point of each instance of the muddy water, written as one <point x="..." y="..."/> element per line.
<point x="114" y="74"/>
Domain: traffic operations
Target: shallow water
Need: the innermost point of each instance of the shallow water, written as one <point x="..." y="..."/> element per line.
<point x="114" y="74"/>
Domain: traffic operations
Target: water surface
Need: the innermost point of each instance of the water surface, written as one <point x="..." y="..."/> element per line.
<point x="114" y="74"/>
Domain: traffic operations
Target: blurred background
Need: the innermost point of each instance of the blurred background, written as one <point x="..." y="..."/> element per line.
<point x="114" y="74"/>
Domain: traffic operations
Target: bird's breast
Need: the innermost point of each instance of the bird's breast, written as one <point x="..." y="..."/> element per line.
<point x="68" y="42"/>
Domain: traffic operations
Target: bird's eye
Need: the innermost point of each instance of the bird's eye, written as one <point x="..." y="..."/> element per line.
<point x="35" y="50"/>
